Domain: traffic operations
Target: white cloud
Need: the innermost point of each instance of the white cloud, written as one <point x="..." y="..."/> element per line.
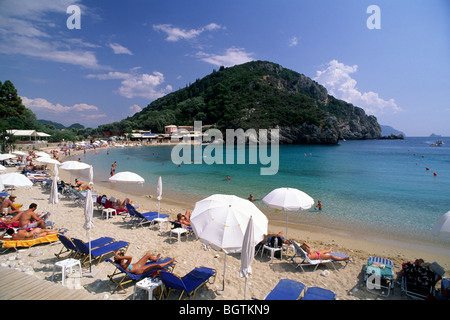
<point x="41" y="104"/>
<point x="135" y="84"/>
<point x="232" y="56"/>
<point x="119" y="49"/>
<point x="293" y="41"/>
<point x="176" y="34"/>
<point x="336" y="78"/>
<point x="44" y="109"/>
<point x="133" y="109"/>
<point x="24" y="30"/>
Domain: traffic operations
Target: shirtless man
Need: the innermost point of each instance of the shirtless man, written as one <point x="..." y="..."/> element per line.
<point x="10" y="203"/>
<point x="27" y="235"/>
<point x="29" y="219"/>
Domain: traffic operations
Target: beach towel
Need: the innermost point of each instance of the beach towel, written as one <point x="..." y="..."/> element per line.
<point x="377" y="269"/>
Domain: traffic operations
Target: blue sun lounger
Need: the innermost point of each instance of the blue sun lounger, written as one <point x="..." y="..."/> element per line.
<point x="316" y="293"/>
<point x="131" y="277"/>
<point x="146" y="217"/>
<point x="99" y="252"/>
<point x="190" y="283"/>
<point x="286" y="289"/>
<point x="71" y="249"/>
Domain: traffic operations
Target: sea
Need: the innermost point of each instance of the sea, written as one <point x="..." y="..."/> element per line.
<point x="395" y="189"/>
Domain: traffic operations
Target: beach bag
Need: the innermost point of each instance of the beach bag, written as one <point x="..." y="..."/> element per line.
<point x="272" y="241"/>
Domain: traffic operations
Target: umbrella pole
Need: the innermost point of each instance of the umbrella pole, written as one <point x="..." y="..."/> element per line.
<point x="224" y="268"/>
<point x="286" y="225"/>
<point x="245" y="289"/>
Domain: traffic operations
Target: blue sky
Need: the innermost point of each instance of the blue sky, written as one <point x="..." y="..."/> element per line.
<point x="127" y="54"/>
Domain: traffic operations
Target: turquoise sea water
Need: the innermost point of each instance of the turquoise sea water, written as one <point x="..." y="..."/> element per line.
<point x="374" y="185"/>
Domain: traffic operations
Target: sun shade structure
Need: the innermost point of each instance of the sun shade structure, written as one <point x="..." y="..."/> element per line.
<point x="288" y="199"/>
<point x="442" y="226"/>
<point x="220" y="221"/>
<point x="16" y="180"/>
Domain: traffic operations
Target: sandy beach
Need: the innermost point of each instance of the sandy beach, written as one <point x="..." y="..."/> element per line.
<point x="346" y="283"/>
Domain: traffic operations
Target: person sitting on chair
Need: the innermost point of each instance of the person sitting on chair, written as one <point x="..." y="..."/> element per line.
<point x="28" y="218"/>
<point x="139" y="267"/>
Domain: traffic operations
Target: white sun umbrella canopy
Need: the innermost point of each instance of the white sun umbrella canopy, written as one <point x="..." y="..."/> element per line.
<point x="2" y="168"/>
<point x="6" y="156"/>
<point x="127" y="177"/>
<point x="53" y="198"/>
<point x="288" y="199"/>
<point x="42" y="154"/>
<point x="88" y="220"/>
<point x="76" y="166"/>
<point x="47" y="160"/>
<point x="442" y="226"/>
<point x="220" y="221"/>
<point x="16" y="180"/>
<point x="247" y="253"/>
<point x="159" y="193"/>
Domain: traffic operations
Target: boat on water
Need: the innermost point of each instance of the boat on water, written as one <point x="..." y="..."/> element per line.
<point x="438" y="143"/>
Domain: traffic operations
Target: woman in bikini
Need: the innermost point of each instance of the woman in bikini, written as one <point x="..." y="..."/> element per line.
<point x="139" y="267"/>
<point x="320" y="255"/>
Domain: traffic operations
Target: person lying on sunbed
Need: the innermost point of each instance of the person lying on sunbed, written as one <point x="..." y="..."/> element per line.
<point x="12" y="234"/>
<point x="139" y="267"/>
<point x="320" y="255"/>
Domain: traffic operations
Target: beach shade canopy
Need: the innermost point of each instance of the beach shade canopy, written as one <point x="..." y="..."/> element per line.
<point x="74" y="165"/>
<point x="42" y="154"/>
<point x="2" y="168"/>
<point x="91" y="175"/>
<point x="20" y="153"/>
<point x="442" y="226"/>
<point x="53" y="199"/>
<point x="247" y="253"/>
<point x="16" y="180"/>
<point x="288" y="199"/>
<point x="6" y="156"/>
<point x="159" y="192"/>
<point x="127" y="176"/>
<point x="88" y="220"/>
<point x="220" y="221"/>
<point x="47" y="160"/>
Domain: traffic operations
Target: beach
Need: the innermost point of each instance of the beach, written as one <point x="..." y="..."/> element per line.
<point x="347" y="282"/>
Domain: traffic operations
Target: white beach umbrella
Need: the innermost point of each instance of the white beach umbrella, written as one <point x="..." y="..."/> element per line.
<point x="2" y="168"/>
<point x="74" y="165"/>
<point x="220" y="221"/>
<point x="16" y="180"/>
<point x="53" y="199"/>
<point x="247" y="253"/>
<point x="42" y="154"/>
<point x="6" y="156"/>
<point x="2" y="187"/>
<point x="442" y="226"/>
<point x="88" y="220"/>
<point x="47" y="160"/>
<point x="159" y="192"/>
<point x="127" y="177"/>
<point x="288" y="199"/>
<point x="20" y="153"/>
<point x="91" y="175"/>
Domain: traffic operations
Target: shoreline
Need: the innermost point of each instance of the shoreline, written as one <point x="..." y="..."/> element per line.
<point x="358" y="238"/>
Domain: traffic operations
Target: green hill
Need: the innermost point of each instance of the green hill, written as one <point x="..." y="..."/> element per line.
<point x="256" y="95"/>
